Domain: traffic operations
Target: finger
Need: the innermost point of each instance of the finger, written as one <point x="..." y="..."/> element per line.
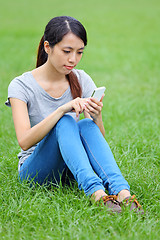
<point x="93" y="110"/>
<point x="82" y="105"/>
<point x="92" y="115"/>
<point x="76" y="109"/>
<point x="77" y="112"/>
<point x="98" y="103"/>
<point x="95" y="100"/>
<point x="102" y="97"/>
<point x="80" y="102"/>
<point x="92" y="105"/>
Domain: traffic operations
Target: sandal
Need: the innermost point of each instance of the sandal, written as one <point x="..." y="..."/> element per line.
<point x="133" y="204"/>
<point x="111" y="203"/>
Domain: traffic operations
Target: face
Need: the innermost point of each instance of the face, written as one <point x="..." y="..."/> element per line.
<point x="65" y="55"/>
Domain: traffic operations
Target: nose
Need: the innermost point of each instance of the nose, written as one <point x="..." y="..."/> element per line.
<point x="72" y="58"/>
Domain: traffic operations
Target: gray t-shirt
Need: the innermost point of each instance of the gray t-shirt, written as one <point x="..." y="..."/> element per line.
<point x="39" y="103"/>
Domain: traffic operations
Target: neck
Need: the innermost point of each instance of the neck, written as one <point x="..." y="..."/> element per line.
<point x="51" y="74"/>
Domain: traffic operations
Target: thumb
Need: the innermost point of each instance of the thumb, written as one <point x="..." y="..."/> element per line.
<point x="102" y="97"/>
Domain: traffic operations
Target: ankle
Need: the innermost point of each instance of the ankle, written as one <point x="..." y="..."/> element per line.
<point x="97" y="195"/>
<point x="123" y="194"/>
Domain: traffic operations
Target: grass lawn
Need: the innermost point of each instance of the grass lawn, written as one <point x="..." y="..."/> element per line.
<point x="123" y="53"/>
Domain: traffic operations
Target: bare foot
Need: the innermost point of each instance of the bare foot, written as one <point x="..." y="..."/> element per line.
<point x="123" y="194"/>
<point x="98" y="194"/>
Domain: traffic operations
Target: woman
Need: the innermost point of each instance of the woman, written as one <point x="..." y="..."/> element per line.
<point x="46" y="103"/>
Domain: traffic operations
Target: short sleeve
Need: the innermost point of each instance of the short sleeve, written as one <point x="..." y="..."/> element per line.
<point x="86" y="83"/>
<point x="17" y="90"/>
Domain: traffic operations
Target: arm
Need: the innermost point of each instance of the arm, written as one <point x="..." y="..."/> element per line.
<point x="28" y="136"/>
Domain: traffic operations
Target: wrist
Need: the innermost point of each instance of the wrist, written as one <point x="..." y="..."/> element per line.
<point x="98" y="119"/>
<point x="60" y="111"/>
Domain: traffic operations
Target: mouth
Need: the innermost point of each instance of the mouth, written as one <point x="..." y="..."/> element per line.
<point x="69" y="67"/>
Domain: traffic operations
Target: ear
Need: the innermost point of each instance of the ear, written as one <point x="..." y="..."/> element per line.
<point x="46" y="47"/>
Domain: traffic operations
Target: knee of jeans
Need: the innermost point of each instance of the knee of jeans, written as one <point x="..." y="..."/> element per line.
<point x="65" y="121"/>
<point x="66" y="118"/>
<point x="86" y="123"/>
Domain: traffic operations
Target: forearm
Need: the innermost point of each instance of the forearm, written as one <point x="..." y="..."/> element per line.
<point x="39" y="131"/>
<point x="99" y="123"/>
<point x="28" y="136"/>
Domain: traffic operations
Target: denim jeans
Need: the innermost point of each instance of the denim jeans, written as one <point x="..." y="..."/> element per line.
<point x="80" y="147"/>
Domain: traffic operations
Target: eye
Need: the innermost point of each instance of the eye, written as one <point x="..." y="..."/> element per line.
<point x="65" y="51"/>
<point x="80" y="53"/>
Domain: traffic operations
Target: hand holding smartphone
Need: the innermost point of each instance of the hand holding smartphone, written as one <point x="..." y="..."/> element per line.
<point x="98" y="93"/>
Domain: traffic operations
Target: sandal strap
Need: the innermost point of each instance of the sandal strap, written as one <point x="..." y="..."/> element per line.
<point x="132" y="199"/>
<point x="111" y="198"/>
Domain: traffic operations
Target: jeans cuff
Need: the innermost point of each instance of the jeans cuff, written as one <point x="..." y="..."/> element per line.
<point x="120" y="188"/>
<point x="94" y="189"/>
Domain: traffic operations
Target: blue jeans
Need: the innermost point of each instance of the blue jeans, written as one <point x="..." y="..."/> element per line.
<point x="79" y="147"/>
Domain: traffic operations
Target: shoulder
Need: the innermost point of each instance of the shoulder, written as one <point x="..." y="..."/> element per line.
<point x="86" y="82"/>
<point x="21" y="80"/>
<point x="19" y="87"/>
<point x="83" y="78"/>
<point x="23" y="83"/>
<point x="81" y="74"/>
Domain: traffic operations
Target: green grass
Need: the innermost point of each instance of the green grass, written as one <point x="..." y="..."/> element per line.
<point x="123" y="53"/>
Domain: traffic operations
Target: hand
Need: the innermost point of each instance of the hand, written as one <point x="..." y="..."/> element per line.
<point x="77" y="105"/>
<point x="94" y="107"/>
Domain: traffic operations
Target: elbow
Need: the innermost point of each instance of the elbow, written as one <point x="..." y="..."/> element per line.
<point x="23" y="145"/>
<point x="25" y="148"/>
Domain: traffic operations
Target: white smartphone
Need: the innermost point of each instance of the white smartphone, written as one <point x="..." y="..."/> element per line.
<point x="98" y="92"/>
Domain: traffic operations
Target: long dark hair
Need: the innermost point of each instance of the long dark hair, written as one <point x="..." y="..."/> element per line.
<point x="54" y="32"/>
